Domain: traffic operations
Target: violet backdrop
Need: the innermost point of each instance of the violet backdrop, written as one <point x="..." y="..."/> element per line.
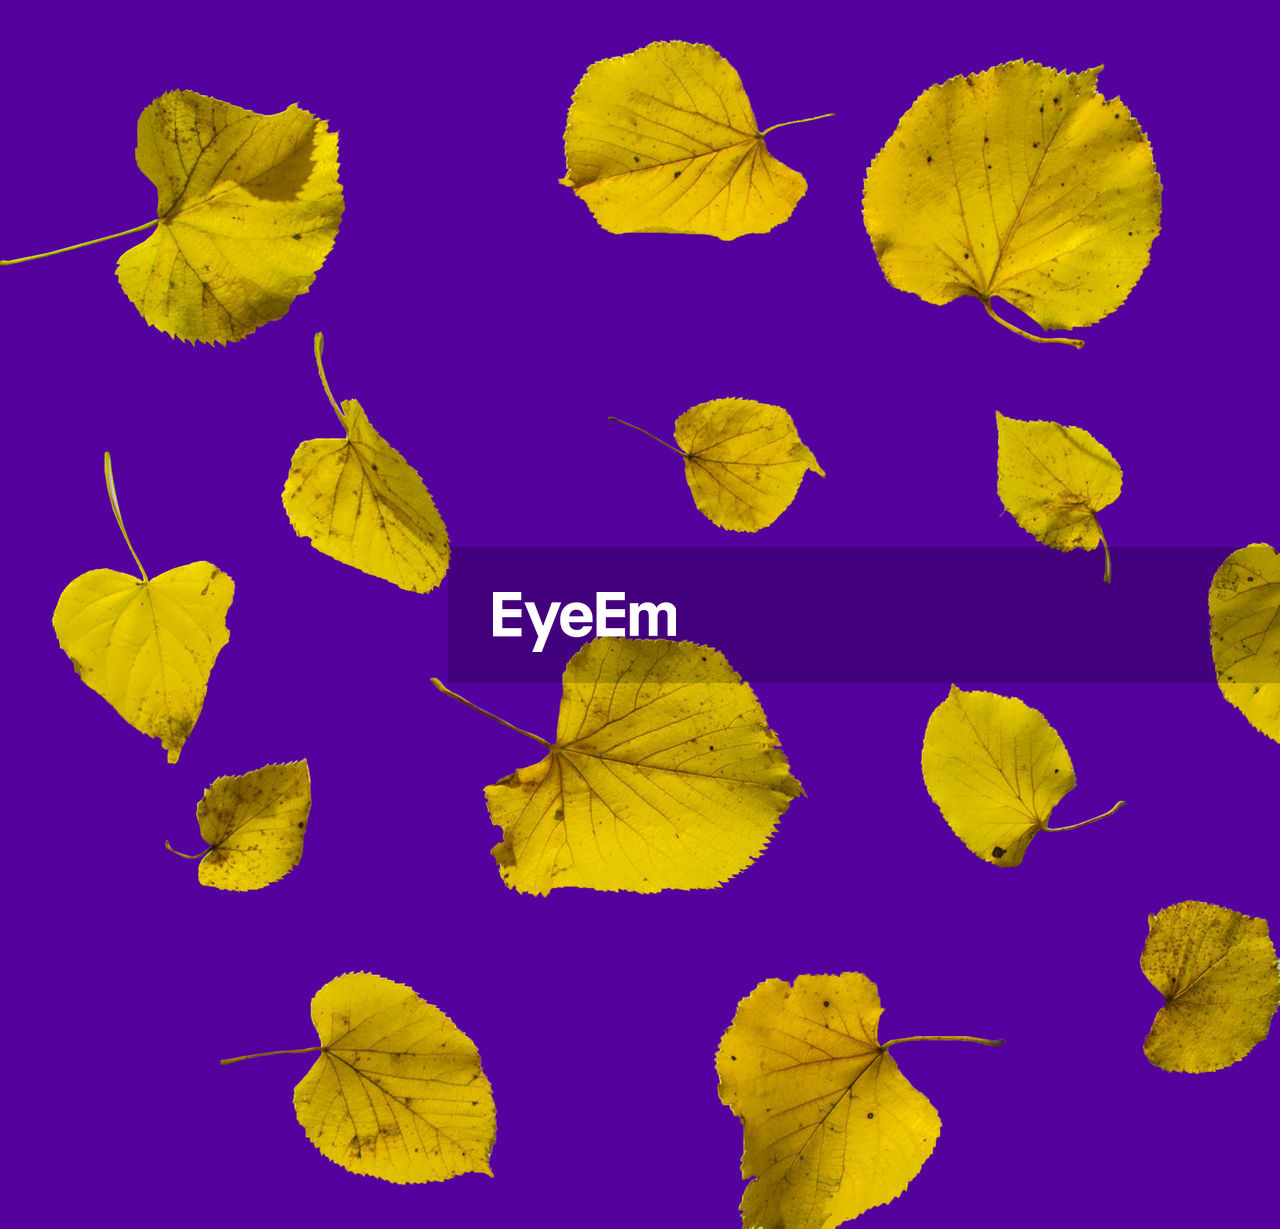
<point x="489" y="326"/>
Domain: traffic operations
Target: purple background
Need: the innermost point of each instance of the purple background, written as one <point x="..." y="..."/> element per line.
<point x="489" y="326"/>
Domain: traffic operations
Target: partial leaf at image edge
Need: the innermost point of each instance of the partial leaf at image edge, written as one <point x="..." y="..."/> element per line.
<point x="831" y="1127"/>
<point x="1244" y="630"/>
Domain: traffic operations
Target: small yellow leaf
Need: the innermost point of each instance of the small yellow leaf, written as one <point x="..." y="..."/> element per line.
<point x="1020" y="182"/>
<point x="362" y="503"/>
<point x="1217" y="971"/>
<point x="830" y="1125"/>
<point x="253" y="826"/>
<point x="664" y="774"/>
<point x="147" y="646"/>
<point x="249" y="206"/>
<point x="664" y="139"/>
<point x="996" y="769"/>
<point x="1244" y="628"/>
<point x="1055" y="480"/>
<point x="744" y="461"/>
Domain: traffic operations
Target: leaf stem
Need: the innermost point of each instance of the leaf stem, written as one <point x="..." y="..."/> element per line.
<point x="1083" y="822"/>
<point x="484" y="712"/>
<point x="1106" y="550"/>
<point x="115" y="507"/>
<point x="678" y="451"/>
<point x="982" y="1041"/>
<point x="789" y="122"/>
<point x="195" y="857"/>
<point x="324" y="380"/>
<point x="1062" y="341"/>
<point x="17" y="260"/>
<point x="269" y="1053"/>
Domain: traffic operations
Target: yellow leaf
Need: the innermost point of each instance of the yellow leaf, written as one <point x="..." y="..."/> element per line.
<point x="1244" y="627"/>
<point x="147" y="646"/>
<point x="1217" y="971"/>
<point x="1055" y="480"/>
<point x="362" y="503"/>
<point x="1020" y="182"/>
<point x="743" y="460"/>
<point x="996" y="769"/>
<point x="249" y="206"/>
<point x="253" y="826"/>
<point x="664" y="139"/>
<point x="664" y="774"/>
<point x="830" y="1125"/>
<point x="398" y="1091"/>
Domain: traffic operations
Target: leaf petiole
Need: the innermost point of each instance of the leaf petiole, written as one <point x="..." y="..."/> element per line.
<point x="269" y="1054"/>
<point x="337" y="409"/>
<point x="1106" y="551"/>
<point x="1062" y="341"/>
<point x="484" y="712"/>
<point x="678" y="451"/>
<point x="1083" y="822"/>
<point x="195" y="857"/>
<point x="982" y="1041"/>
<point x="787" y="123"/>
<point x="17" y="260"/>
<point x="115" y="507"/>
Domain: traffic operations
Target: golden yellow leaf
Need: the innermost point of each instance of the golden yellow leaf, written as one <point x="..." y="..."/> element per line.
<point x="664" y="139"/>
<point x="362" y="503"/>
<point x="1217" y="971"/>
<point x="1022" y="183"/>
<point x="398" y="1091"/>
<point x="664" y="774"/>
<point x="253" y="826"/>
<point x="147" y="646"/>
<point x="1055" y="480"/>
<point x="830" y="1125"/>
<point x="743" y="460"/>
<point x="249" y="206"/>
<point x="1244" y="628"/>
<point x="996" y="769"/>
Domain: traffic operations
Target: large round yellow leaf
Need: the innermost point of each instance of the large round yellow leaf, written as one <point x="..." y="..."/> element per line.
<point x="1020" y="182"/>
<point x="664" y="139"/>
<point x="663" y="774"/>
<point x="830" y="1125"/>
<point x="249" y="206"/>
<point x="1217" y="971"/>
<point x="398" y="1091"/>
<point x="1244" y="628"/>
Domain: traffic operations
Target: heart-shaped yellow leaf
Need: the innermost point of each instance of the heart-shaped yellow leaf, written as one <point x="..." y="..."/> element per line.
<point x="1023" y="183"/>
<point x="398" y="1091"/>
<point x="996" y="769"/>
<point x="663" y="139"/>
<point x="664" y="774"/>
<point x="253" y="826"/>
<point x="1217" y="971"/>
<point x="1055" y="480"/>
<point x="362" y="503"/>
<point x="147" y="646"/>
<point x="1244" y="629"/>
<point x="830" y="1125"/>
<point x="249" y="207"/>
